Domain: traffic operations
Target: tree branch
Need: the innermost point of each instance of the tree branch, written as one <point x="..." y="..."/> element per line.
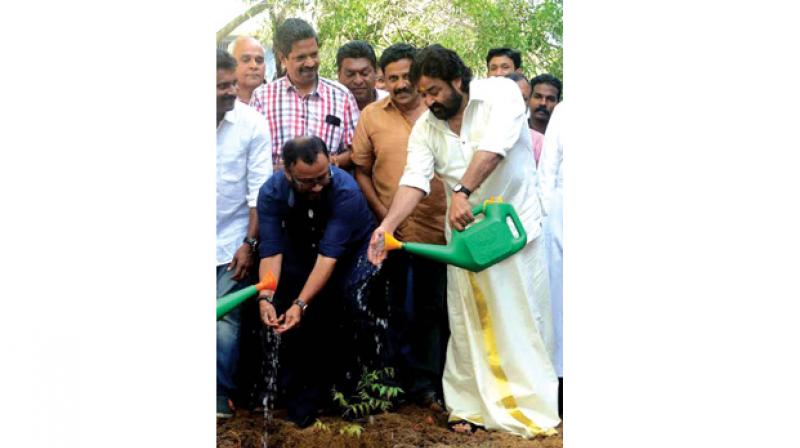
<point x="241" y="18"/>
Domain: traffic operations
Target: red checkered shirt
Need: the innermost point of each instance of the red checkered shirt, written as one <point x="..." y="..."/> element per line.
<point x="288" y="115"/>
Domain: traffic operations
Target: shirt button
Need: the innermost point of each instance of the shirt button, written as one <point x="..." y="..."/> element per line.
<point x="313" y="245"/>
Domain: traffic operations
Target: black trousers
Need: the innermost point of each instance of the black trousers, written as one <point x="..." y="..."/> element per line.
<point x="341" y="332"/>
<point x="418" y="328"/>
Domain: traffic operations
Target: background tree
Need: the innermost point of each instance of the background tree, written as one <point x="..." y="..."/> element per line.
<point x="470" y="27"/>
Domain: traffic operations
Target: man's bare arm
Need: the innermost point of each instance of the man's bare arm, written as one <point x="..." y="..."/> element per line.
<point x="480" y="167"/>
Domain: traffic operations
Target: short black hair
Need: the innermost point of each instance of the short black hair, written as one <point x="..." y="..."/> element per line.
<point x="356" y="49"/>
<point x="436" y="61"/>
<point x="396" y="52"/>
<point x="291" y="31"/>
<point x="514" y="55"/>
<point x="225" y="61"/>
<point x="517" y="77"/>
<point x="304" y="148"/>
<point x="547" y="78"/>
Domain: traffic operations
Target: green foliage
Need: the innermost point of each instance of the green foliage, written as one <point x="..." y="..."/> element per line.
<point x="352" y="430"/>
<point x="371" y="394"/>
<point x="470" y="27"/>
<point x="318" y="425"/>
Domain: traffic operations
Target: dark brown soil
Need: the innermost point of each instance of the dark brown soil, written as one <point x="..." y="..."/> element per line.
<point x="409" y="427"/>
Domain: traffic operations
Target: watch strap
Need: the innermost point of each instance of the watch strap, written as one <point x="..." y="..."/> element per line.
<point x="252" y="242"/>
<point x="459" y="188"/>
<point x="302" y="305"/>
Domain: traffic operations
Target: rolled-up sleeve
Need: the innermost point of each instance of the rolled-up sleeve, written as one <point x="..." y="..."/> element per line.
<point x="420" y="161"/>
<point x="259" y="163"/>
<point x="506" y="119"/>
<point x="271" y="235"/>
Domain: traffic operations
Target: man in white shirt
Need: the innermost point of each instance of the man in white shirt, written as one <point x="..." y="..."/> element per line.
<point x="243" y="165"/>
<point x="498" y="372"/>
<point x="551" y="177"/>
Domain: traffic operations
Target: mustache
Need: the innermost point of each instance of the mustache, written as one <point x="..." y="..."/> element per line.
<point x="541" y="109"/>
<point x="404" y="90"/>
<point x="229" y="97"/>
<point x="306" y="69"/>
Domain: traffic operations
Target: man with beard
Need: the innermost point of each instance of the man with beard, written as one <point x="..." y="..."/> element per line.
<point x="302" y="103"/>
<point x="315" y="227"/>
<point x="250" y="68"/>
<point x="498" y="373"/>
<point x="546" y="93"/>
<point x="356" y="69"/>
<point x="242" y="167"/>
<point x="419" y="322"/>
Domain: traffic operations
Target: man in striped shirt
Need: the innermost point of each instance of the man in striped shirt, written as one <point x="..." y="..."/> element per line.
<point x="302" y="103"/>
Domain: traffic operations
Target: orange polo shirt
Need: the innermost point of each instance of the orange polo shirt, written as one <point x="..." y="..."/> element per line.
<point x="381" y="141"/>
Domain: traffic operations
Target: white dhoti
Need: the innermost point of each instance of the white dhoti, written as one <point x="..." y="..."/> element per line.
<point x="498" y="371"/>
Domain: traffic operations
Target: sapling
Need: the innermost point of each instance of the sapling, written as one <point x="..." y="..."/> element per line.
<point x="373" y="393"/>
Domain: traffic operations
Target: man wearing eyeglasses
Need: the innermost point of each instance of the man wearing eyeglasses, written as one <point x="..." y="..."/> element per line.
<point x="315" y="225"/>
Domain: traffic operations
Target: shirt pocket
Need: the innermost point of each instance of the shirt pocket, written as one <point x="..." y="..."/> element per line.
<point x="232" y="175"/>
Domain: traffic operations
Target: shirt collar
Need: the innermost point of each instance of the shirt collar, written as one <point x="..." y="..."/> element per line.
<point x="319" y="88"/>
<point x="290" y="199"/>
<point x="230" y="116"/>
<point x="388" y="104"/>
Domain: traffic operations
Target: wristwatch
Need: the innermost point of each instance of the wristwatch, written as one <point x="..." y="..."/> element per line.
<point x="461" y="189"/>
<point x="301" y="304"/>
<point x="252" y="242"/>
<point x="267" y="298"/>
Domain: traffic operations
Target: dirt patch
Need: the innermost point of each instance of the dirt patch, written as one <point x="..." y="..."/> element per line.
<point x="409" y="427"/>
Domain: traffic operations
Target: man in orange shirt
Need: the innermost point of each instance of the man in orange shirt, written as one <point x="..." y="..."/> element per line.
<point x="418" y="285"/>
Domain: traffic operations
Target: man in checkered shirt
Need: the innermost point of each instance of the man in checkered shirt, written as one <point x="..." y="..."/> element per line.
<point x="302" y="103"/>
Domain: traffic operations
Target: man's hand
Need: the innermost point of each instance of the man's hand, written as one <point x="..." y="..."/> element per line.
<point x="460" y="213"/>
<point x="376" y="251"/>
<point x="268" y="314"/>
<point x="241" y="263"/>
<point x="290" y="320"/>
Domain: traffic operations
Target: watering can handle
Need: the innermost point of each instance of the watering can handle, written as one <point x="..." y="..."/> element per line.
<point x="522" y="235"/>
<point x="478" y="209"/>
<point x="481" y="208"/>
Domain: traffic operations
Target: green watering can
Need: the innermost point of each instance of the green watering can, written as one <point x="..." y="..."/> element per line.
<point x="227" y="303"/>
<point x="493" y="239"/>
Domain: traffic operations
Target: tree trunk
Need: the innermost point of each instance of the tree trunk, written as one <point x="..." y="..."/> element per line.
<point x="240" y="19"/>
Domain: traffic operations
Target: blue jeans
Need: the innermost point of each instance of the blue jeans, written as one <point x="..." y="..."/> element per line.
<point x="228" y="329"/>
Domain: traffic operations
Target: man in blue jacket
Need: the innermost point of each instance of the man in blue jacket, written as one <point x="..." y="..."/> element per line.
<point x="314" y="227"/>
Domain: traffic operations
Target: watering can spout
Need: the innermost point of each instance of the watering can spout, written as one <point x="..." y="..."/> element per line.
<point x="227" y="303"/>
<point x="436" y="252"/>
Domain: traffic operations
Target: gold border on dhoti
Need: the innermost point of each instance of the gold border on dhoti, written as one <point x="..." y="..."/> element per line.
<point x="508" y="401"/>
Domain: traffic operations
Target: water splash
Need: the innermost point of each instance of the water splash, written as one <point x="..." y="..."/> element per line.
<point x="372" y="308"/>
<point x="272" y="343"/>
